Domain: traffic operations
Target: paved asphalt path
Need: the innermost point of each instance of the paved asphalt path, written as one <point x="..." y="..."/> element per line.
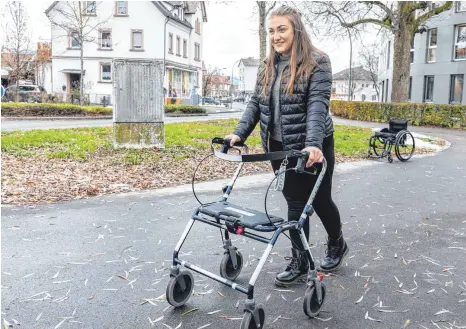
<point x="62" y="124"/>
<point x="405" y="224"/>
<point x="11" y="125"/>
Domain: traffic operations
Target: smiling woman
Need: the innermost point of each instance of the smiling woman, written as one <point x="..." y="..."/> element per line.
<point x="291" y="103"/>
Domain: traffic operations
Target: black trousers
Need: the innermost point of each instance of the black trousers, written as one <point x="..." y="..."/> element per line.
<point x="298" y="188"/>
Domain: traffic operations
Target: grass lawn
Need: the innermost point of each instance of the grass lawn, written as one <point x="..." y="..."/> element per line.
<point x="82" y="144"/>
<point x="63" y="164"/>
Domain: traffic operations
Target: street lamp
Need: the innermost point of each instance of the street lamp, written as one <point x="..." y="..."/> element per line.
<point x="231" y="89"/>
<point x="350" y="87"/>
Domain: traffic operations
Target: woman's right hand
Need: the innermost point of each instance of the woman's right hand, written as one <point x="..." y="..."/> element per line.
<point x="233" y="139"/>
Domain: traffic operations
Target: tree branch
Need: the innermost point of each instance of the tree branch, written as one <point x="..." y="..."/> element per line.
<point x="270" y="8"/>
<point x="369" y="20"/>
<point x="430" y="14"/>
<point x="384" y="8"/>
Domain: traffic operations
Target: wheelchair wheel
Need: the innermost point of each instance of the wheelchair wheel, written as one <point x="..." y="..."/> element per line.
<point x="227" y="270"/>
<point x="249" y="322"/>
<point x="378" y="145"/>
<point x="311" y="305"/>
<point x="404" y="145"/>
<point x="180" y="288"/>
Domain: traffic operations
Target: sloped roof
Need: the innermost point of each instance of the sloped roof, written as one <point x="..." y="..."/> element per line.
<point x="166" y="12"/>
<point x="357" y="73"/>
<point x="162" y="8"/>
<point x="250" y="61"/>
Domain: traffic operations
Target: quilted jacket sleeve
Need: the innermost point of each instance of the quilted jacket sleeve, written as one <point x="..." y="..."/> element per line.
<point x="318" y="101"/>
<point x="251" y="115"/>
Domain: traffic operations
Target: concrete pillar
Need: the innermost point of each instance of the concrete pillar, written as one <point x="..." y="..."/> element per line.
<point x="138" y="110"/>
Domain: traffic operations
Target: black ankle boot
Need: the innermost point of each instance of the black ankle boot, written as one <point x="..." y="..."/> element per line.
<point x="298" y="267"/>
<point x="335" y="253"/>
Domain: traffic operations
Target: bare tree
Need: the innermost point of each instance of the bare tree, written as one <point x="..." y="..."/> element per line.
<point x="79" y="22"/>
<point x="398" y="18"/>
<point x="264" y="10"/>
<point x="16" y="47"/>
<point x="209" y="80"/>
<point x="43" y="58"/>
<point x="369" y="60"/>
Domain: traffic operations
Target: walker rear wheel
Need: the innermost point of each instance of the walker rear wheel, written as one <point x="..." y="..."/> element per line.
<point x="227" y="268"/>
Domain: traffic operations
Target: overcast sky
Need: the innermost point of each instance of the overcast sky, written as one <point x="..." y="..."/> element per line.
<point x="230" y="33"/>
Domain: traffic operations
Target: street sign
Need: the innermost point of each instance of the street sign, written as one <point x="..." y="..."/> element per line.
<point x="3" y="91"/>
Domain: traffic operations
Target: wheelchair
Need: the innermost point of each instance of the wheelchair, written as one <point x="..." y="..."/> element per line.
<point x="234" y="219"/>
<point x="397" y="134"/>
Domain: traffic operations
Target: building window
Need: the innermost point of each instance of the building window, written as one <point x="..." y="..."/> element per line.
<point x="386" y="90"/>
<point x="456" y="89"/>
<point x="460" y="42"/>
<point x="121" y="8"/>
<point x="105" y="37"/>
<point x="90" y="7"/>
<point x="460" y="6"/>
<point x="74" y="40"/>
<point x="410" y="87"/>
<point x="185" y="48"/>
<point x="363" y="97"/>
<point x="106" y="72"/>
<point x="197" y="26"/>
<point x="383" y="91"/>
<point x="197" y="52"/>
<point x="136" y="40"/>
<point x="170" y="43"/>
<point x="374" y="97"/>
<point x="431" y="45"/>
<point x="411" y="52"/>
<point x="178" y="45"/>
<point x="388" y="54"/>
<point x="428" y="88"/>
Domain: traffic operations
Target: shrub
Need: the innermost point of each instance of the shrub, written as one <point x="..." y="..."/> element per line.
<point x="183" y="108"/>
<point x="52" y="109"/>
<point x="47" y="109"/>
<point x="417" y="114"/>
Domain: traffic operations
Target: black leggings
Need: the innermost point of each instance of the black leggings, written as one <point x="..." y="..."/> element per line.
<point x="298" y="188"/>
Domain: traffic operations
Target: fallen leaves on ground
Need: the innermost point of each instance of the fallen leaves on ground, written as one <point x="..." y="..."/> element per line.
<point x="38" y="179"/>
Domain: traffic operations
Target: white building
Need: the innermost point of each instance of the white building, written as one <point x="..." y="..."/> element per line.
<point x="150" y="30"/>
<point x="437" y="59"/>
<point x="364" y="87"/>
<point x="248" y="68"/>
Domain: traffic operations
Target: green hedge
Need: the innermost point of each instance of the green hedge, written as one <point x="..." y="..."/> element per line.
<point x="50" y="109"/>
<point x="417" y="114"/>
<point x="182" y="108"/>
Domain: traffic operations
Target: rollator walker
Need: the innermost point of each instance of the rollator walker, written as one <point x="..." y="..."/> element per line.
<point x="235" y="219"/>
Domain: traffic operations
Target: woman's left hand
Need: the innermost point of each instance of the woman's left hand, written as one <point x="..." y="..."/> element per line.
<point x="315" y="155"/>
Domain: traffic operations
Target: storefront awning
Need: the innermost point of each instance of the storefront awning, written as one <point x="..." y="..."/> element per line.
<point x="72" y="71"/>
<point x="179" y="68"/>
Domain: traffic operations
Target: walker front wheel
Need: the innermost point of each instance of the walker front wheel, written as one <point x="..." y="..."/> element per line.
<point x="249" y="319"/>
<point x="180" y="288"/>
<point x="312" y="305"/>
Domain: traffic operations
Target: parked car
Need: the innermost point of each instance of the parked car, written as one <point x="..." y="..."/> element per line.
<point x="210" y="101"/>
<point x="26" y="93"/>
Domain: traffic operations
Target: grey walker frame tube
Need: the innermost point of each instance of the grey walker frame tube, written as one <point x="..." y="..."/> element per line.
<point x="249" y="291"/>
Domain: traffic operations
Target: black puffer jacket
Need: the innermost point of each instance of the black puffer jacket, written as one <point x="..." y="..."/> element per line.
<point x="305" y="118"/>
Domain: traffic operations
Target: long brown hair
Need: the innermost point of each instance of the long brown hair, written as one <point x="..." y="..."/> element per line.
<point x="301" y="51"/>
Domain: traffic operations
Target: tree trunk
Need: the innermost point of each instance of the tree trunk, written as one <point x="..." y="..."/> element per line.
<point x="262" y="31"/>
<point x="401" y="55"/>
<point x="81" y="78"/>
